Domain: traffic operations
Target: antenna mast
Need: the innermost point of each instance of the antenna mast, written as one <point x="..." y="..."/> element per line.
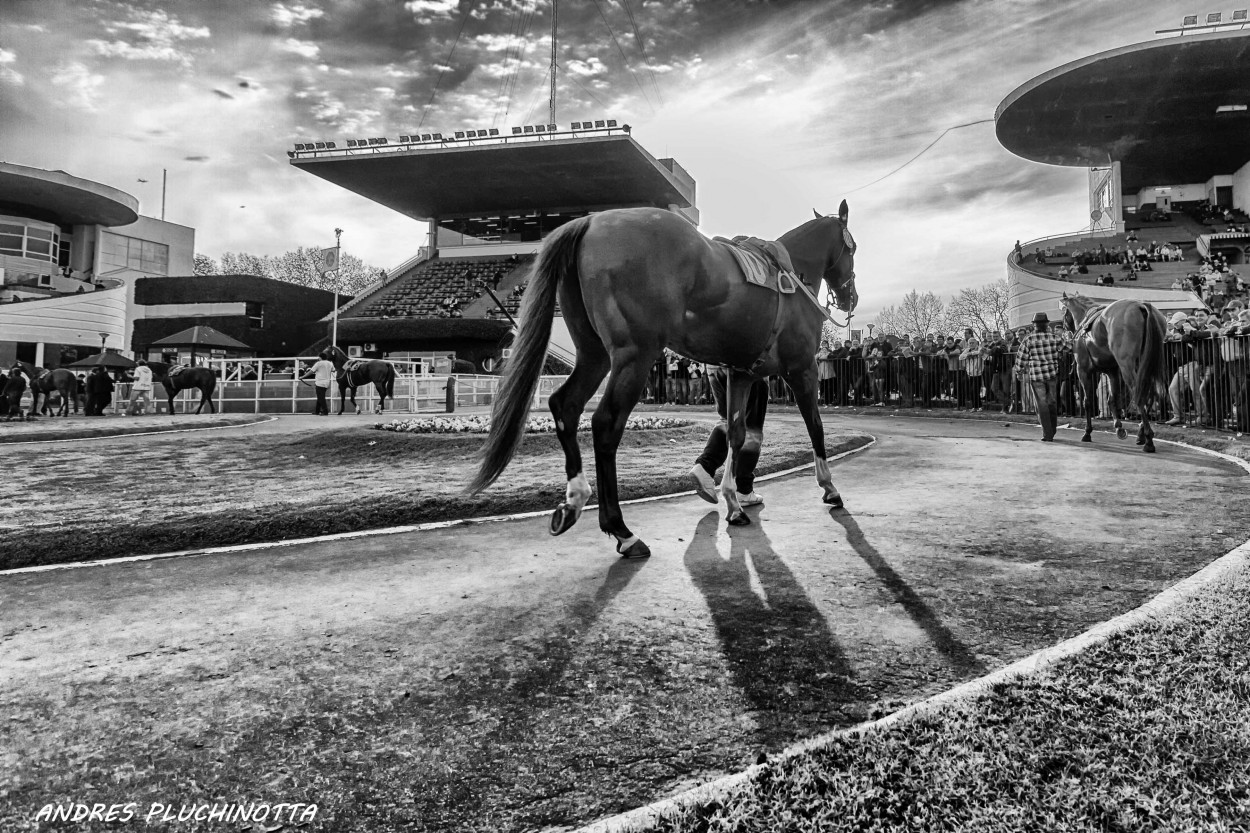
<point x="551" y="110"/>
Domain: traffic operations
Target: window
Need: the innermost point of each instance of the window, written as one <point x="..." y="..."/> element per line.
<point x="118" y="252"/>
<point x="255" y="311"/>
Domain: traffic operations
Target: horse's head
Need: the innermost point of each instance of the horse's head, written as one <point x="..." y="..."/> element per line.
<point x="839" y="266"/>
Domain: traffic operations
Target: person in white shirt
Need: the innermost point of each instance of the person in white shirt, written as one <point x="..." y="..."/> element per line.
<point x="322" y="372"/>
<point x="140" y="387"/>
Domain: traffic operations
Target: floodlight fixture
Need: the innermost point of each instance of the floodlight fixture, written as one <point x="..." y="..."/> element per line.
<point x="438" y="137"/>
<point x="529" y="128"/>
<point x="1215" y="17"/>
<point x="320" y="145"/>
<point x="1231" y="108"/>
<point x="1190" y="20"/>
<point x="405" y="138"/>
<point x="299" y="146"/>
<point x="425" y="137"/>
<point x="611" y="122"/>
<point x="290" y="154"/>
<point x="516" y="131"/>
<point x="1239" y="14"/>
<point x="494" y="131"/>
<point x="551" y="128"/>
<point x="540" y="128"/>
<point x="575" y="126"/>
<point x="459" y="134"/>
<point x="599" y="123"/>
<point x="330" y="146"/>
<point x="381" y="140"/>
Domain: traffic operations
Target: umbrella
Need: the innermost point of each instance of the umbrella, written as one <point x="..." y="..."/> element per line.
<point x="107" y="360"/>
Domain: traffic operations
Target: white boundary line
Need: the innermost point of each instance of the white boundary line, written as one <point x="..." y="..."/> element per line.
<point x="141" y="433"/>
<point x="1234" y="561"/>
<point x="393" y="530"/>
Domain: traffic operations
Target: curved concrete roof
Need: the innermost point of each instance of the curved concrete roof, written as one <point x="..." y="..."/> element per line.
<point x="1151" y="106"/>
<point x="56" y="196"/>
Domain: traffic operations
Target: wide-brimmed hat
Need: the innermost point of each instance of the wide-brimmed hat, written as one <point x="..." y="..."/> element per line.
<point x="1041" y="318"/>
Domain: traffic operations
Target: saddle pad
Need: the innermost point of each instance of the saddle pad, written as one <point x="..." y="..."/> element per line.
<point x="175" y="370"/>
<point x="767" y="272"/>
<point x="352" y="364"/>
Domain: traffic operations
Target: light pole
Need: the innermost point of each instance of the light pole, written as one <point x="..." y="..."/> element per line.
<point x="338" y="263"/>
<point x="103" y="338"/>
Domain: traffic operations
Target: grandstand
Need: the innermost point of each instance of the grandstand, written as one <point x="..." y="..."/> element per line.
<point x="488" y="200"/>
<point x="1172" y="168"/>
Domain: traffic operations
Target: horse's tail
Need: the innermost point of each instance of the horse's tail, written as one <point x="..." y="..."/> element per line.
<point x="390" y="381"/>
<point x="1151" y="381"/>
<point x="557" y="262"/>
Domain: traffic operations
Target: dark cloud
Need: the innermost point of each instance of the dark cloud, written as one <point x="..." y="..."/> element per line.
<point x="223" y="94"/>
<point x="196" y="158"/>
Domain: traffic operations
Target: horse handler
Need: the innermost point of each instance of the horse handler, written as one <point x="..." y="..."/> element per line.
<point x="322" y="372"/>
<point x="14" y="387"/>
<point x="141" y="387"/>
<point x="1038" y="362"/>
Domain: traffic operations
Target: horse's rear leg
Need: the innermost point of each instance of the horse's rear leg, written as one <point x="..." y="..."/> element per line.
<point x="1089" y="398"/>
<point x="567" y="404"/>
<point x="805" y="386"/>
<point x="1117" y="405"/>
<point x="744" y="444"/>
<point x="629" y="376"/>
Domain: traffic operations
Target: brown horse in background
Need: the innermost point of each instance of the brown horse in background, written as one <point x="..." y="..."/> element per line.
<point x="632" y="282"/>
<point x="190" y="377"/>
<point x="1123" y="339"/>
<point x="376" y="371"/>
<point x="61" y="381"/>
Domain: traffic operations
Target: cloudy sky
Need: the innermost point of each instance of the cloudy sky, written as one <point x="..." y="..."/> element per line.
<point x="774" y="108"/>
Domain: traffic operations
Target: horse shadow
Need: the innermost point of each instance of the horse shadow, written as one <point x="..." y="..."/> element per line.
<point x="952" y="649"/>
<point x="777" y="644"/>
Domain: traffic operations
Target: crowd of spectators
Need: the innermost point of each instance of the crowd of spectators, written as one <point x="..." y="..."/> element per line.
<point x="1207" y="355"/>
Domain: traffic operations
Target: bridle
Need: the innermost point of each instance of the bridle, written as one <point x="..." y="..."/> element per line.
<point x="848" y="247"/>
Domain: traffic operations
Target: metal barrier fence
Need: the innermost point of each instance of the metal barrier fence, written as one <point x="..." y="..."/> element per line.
<point x="278" y="395"/>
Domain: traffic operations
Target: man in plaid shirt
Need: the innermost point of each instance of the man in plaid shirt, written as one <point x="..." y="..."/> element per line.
<point x="1037" y="361"/>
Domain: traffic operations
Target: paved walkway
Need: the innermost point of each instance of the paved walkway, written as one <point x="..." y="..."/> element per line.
<point x="963" y="546"/>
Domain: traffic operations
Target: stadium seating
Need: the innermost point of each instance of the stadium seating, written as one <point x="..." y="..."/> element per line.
<point x="427" y="290"/>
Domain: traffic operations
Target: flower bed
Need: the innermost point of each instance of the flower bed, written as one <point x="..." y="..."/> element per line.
<point x="535" y="425"/>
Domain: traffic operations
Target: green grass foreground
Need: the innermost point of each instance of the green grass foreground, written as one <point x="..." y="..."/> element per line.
<point x="1147" y="731"/>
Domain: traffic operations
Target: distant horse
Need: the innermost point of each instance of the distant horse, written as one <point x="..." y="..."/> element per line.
<point x="188" y="377"/>
<point x="634" y="281"/>
<point x="352" y="374"/>
<point x="1123" y="339"/>
<point x="47" y="382"/>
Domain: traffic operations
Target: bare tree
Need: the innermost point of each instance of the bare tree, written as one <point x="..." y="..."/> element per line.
<point x="205" y="265"/>
<point x="299" y="266"/>
<point x="983" y="308"/>
<point x="920" y="314"/>
<point x="890" y="320"/>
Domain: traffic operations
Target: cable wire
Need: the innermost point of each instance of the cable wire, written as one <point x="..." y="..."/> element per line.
<point x="623" y="56"/>
<point x="918" y="155"/>
<point x="633" y="22"/>
<point x="464" y="18"/>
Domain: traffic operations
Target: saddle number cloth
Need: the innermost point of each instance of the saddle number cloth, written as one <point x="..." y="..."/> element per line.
<point x="352" y="364"/>
<point x="764" y="263"/>
<point x="176" y="369"/>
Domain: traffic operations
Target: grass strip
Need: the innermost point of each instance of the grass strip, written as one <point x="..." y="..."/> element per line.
<point x="1149" y="730"/>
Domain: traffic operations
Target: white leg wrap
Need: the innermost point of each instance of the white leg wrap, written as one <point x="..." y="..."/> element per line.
<point x="822" y="470"/>
<point x="623" y="544"/>
<point x="578" y="492"/>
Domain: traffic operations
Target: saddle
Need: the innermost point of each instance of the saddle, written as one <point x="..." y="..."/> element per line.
<point x="175" y="370"/>
<point x="351" y="365"/>
<point x="764" y="263"/>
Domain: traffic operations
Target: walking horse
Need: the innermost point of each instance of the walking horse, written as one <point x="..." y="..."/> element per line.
<point x="178" y="378"/>
<point x="47" y="382"/>
<point x="1123" y="339"/>
<point x="633" y="281"/>
<point x="354" y="373"/>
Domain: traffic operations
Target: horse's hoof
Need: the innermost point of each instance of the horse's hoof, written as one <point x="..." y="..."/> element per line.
<point x="1087" y="439"/>
<point x="563" y="519"/>
<point x="635" y="550"/>
<point x="1140" y="441"/>
<point x="1121" y="434"/>
<point x="358" y="412"/>
<point x="1150" y="448"/>
<point x="834" y="500"/>
<point x="738" y="518"/>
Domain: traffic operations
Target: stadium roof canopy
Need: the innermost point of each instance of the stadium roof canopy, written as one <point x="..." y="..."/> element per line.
<point x="1163" y="109"/>
<point x="55" y="196"/>
<point x="464" y="179"/>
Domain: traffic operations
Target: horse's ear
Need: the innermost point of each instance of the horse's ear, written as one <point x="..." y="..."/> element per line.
<point x="817" y="213"/>
<point x="844" y="212"/>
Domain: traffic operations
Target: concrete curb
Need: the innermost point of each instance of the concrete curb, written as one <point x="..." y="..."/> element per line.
<point x="1235" y="561"/>
<point x="141" y="433"/>
<point x="392" y="530"/>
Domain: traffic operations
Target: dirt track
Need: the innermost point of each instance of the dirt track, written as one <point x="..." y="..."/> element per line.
<point x="495" y="678"/>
